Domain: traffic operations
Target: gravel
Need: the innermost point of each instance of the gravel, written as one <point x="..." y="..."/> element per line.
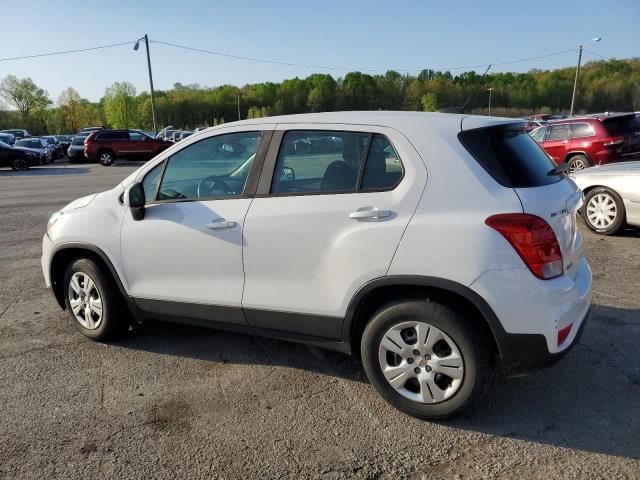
<point x="173" y="401"/>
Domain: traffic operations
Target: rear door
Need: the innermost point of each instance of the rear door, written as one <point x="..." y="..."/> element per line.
<point x="324" y="222"/>
<point x="557" y="142"/>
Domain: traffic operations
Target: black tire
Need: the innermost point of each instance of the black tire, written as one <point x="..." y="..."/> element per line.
<point x="477" y="369"/>
<point x="578" y="162"/>
<point x="106" y="158"/>
<point x="18" y="164"/>
<point x="620" y="214"/>
<point x="115" y="319"/>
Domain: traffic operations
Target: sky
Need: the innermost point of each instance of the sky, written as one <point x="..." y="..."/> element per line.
<point x="349" y="34"/>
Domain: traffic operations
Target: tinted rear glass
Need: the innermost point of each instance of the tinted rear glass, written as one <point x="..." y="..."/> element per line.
<point x="112" y="136"/>
<point x="510" y="156"/>
<point x="622" y="125"/>
<point x="78" y="140"/>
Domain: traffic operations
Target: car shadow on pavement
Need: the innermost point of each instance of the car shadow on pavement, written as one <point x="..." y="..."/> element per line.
<point x="589" y="401"/>
<point x="45" y="171"/>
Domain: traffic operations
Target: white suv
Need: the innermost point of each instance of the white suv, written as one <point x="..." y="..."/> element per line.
<point x="439" y="248"/>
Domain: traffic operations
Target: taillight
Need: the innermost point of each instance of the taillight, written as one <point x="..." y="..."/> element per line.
<point x="613" y="141"/>
<point x="533" y="239"/>
<point x="563" y="333"/>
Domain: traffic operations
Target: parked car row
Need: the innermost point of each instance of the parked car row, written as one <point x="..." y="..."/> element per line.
<point x="592" y="140"/>
<point x="47" y="148"/>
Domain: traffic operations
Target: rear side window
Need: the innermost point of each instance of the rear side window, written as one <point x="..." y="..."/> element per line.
<point x="510" y="156"/>
<point x="317" y="162"/>
<point x="579" y="130"/>
<point x="112" y="136"/>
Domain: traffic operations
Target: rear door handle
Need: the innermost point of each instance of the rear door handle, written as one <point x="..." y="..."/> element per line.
<point x="220" y="224"/>
<point x="373" y="213"/>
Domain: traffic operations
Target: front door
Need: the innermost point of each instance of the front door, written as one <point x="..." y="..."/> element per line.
<point x="185" y="257"/>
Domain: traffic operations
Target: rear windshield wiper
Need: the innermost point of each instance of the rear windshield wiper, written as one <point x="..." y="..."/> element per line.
<point x="560" y="169"/>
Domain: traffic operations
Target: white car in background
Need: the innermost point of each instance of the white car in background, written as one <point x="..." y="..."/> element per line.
<point x="612" y="196"/>
<point x="438" y="248"/>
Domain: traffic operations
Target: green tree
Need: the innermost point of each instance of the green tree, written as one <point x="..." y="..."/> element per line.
<point x="429" y="102"/>
<point x="120" y="105"/>
<point x="73" y="110"/>
<point x="25" y="95"/>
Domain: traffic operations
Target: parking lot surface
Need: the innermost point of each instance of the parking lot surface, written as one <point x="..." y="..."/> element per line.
<point x="173" y="401"/>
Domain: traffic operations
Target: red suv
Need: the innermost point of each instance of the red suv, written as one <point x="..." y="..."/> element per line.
<point x="107" y="145"/>
<point x="587" y="141"/>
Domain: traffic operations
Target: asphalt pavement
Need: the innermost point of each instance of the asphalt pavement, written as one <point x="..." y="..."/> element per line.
<point x="173" y="401"/>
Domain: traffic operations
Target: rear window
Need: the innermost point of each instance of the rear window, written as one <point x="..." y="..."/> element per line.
<point x="510" y="156"/>
<point x="78" y="140"/>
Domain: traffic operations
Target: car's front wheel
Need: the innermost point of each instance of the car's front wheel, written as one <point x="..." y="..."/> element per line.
<point x="93" y="301"/>
<point x="604" y="211"/>
<point x="425" y="359"/>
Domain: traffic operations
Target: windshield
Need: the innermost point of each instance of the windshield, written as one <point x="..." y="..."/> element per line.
<point x="4" y="145"/>
<point x="29" y="143"/>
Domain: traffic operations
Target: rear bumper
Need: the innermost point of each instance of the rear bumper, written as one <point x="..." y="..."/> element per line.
<point x="533" y="312"/>
<point x="525" y="353"/>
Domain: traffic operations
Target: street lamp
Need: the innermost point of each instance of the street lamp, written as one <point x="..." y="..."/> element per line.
<point x="490" y="90"/>
<point x="153" y="99"/>
<point x="575" y="82"/>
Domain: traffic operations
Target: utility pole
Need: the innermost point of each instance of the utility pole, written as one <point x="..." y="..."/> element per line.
<point x="239" y="104"/>
<point x="575" y="81"/>
<point x="490" y="90"/>
<point x="153" y="96"/>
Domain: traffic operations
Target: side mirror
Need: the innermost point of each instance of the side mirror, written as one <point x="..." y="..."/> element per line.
<point x="134" y="199"/>
<point x="288" y="173"/>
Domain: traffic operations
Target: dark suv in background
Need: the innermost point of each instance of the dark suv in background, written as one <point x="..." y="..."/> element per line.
<point x="588" y="141"/>
<point x="107" y="145"/>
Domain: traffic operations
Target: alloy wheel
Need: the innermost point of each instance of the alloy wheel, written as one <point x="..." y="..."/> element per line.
<point x="576" y="165"/>
<point x="85" y="300"/>
<point x="421" y="362"/>
<point x="602" y="211"/>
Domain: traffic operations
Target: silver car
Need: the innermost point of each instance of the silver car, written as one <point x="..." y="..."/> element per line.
<point x="612" y="196"/>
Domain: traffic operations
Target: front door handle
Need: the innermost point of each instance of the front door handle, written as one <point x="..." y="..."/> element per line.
<point x="373" y="213"/>
<point x="220" y="224"/>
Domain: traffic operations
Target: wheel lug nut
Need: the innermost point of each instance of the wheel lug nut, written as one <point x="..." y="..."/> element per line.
<point x="428" y="368"/>
<point x="409" y="360"/>
<point x="427" y="357"/>
<point x="416" y="370"/>
<point x="416" y="352"/>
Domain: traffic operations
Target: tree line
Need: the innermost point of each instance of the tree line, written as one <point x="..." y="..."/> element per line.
<point x="607" y="85"/>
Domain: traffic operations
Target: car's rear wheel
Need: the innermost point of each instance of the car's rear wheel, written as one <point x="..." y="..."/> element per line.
<point x="106" y="158"/>
<point x="603" y="211"/>
<point x="19" y="164"/>
<point x="93" y="301"/>
<point x="425" y="359"/>
<point x="578" y="162"/>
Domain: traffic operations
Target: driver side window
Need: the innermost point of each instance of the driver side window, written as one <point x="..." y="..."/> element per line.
<point x="213" y="167"/>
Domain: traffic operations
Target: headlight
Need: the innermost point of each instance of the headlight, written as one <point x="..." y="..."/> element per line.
<point x="52" y="221"/>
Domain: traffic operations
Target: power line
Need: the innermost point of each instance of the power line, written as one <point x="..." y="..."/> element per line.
<point x="365" y="69"/>
<point x="48" y="54"/>
<point x="597" y="54"/>
<point x="293" y="64"/>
